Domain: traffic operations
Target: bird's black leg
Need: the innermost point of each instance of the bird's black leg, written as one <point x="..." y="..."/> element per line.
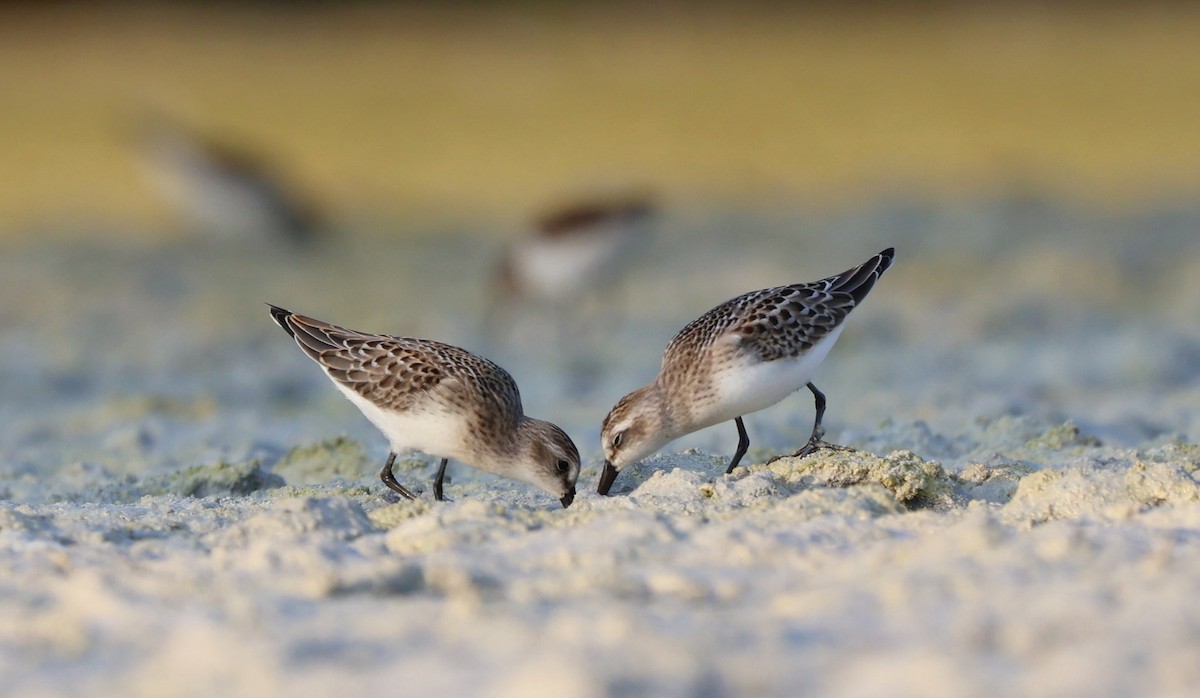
<point x="437" y="481"/>
<point x="743" y="444"/>
<point x="818" y="430"/>
<point x="815" y="441"/>
<point x="390" y="480"/>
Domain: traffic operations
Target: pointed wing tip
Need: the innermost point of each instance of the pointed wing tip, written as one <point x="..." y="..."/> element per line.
<point x="880" y="262"/>
<point x="281" y="317"/>
<point x="859" y="281"/>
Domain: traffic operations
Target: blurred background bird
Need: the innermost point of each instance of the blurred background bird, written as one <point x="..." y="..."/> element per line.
<point x="225" y="189"/>
<point x="574" y="253"/>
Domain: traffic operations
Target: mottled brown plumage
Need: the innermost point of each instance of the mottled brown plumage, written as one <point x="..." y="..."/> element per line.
<point x="742" y="356"/>
<point x="398" y="373"/>
<point x="463" y="406"/>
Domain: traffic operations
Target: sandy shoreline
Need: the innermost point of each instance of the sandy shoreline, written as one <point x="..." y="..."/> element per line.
<point x="187" y="508"/>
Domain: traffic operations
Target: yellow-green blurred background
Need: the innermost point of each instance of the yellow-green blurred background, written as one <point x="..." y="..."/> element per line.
<point x="489" y="110"/>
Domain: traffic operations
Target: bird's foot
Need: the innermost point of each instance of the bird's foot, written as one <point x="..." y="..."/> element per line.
<point x="397" y="493"/>
<point x="814" y="444"/>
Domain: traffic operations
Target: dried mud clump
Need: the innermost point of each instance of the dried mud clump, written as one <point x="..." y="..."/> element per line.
<point x="914" y="482"/>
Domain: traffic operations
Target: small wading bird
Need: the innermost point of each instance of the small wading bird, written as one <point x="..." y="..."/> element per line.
<point x="438" y="399"/>
<point x="574" y="251"/>
<point x="228" y="191"/>
<point x="740" y="357"/>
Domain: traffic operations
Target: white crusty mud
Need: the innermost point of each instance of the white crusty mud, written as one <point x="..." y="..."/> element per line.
<point x="186" y="509"/>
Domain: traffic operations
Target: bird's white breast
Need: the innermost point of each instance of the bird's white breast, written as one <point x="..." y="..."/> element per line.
<point x="435" y="432"/>
<point x="570" y="264"/>
<point x="749" y="386"/>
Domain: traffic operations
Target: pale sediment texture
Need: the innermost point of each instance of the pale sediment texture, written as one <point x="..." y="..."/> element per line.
<point x="188" y="508"/>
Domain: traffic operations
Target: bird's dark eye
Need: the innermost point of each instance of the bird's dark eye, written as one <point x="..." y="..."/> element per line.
<point x="616" y="441"/>
<point x="563" y="466"/>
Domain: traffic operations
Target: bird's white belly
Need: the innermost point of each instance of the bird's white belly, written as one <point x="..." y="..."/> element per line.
<point x="570" y="265"/>
<point x="440" y="434"/>
<point x="753" y="386"/>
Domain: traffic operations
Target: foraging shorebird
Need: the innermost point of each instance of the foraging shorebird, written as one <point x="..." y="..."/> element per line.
<point x="439" y="399"/>
<point x="574" y="251"/>
<point x="740" y="357"/>
<point x="228" y="191"/>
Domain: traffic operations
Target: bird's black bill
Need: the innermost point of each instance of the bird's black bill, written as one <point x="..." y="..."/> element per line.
<point x="606" y="478"/>
<point x="570" y="497"/>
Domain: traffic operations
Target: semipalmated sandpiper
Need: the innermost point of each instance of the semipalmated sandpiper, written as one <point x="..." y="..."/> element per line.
<point x="441" y="400"/>
<point x="740" y="357"/>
